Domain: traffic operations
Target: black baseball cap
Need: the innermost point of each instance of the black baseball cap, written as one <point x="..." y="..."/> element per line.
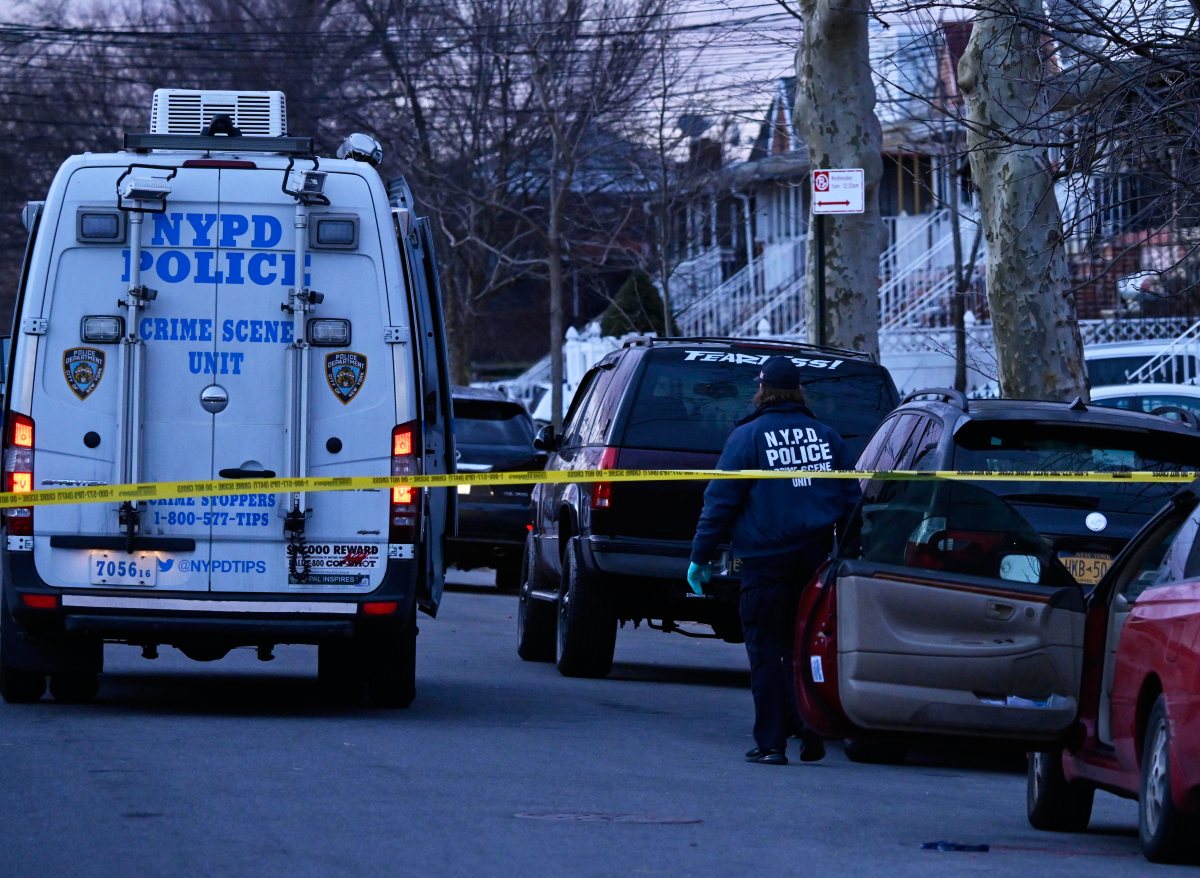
<point x="780" y="373"/>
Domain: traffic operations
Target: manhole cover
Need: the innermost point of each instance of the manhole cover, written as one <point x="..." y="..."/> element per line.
<point x="605" y="817"/>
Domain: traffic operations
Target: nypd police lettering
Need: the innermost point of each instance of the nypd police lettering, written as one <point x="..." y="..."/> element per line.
<point x="232" y="233"/>
<point x="755" y="359"/>
<point x="798" y="448"/>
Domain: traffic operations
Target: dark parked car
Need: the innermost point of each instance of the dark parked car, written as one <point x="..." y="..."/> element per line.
<point x="605" y="553"/>
<point x="492" y="433"/>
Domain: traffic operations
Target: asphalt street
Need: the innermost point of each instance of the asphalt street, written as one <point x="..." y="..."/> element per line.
<point x="500" y="768"/>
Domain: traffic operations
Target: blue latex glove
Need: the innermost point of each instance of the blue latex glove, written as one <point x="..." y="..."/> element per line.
<point x="697" y="575"/>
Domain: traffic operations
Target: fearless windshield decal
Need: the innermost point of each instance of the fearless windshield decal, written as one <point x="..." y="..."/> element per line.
<point x="345" y="371"/>
<point x="756" y="359"/>
<point x="83" y="368"/>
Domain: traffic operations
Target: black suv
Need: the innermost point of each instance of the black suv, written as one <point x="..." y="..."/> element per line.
<point x="492" y="433"/>
<point x="1086" y="523"/>
<point x="604" y="553"/>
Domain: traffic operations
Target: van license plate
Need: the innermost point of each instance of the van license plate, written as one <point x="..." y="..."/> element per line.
<point x="1087" y="567"/>
<point x="120" y="568"/>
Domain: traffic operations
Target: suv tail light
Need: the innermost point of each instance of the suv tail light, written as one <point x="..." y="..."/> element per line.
<point x="602" y="491"/>
<point x="405" y="519"/>
<point x="18" y="472"/>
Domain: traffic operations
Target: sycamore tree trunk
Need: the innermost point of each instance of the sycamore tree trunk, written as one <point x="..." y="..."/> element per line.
<point x="1038" y="345"/>
<point x="835" y="115"/>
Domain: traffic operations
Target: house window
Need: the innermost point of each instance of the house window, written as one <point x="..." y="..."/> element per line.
<point x="907" y="185"/>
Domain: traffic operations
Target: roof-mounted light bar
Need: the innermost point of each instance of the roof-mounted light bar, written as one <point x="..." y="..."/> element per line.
<point x="142" y="142"/>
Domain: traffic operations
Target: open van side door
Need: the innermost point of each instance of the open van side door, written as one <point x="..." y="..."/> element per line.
<point x="435" y="407"/>
<point x="946" y="614"/>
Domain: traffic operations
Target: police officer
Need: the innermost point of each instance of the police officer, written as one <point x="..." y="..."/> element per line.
<point x="780" y="529"/>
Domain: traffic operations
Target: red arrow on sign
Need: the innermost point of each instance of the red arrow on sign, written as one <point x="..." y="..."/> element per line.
<point x="823" y="203"/>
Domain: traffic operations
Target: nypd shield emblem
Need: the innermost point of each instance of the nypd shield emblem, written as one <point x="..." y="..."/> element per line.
<point x="83" y="368"/>
<point x="345" y="371"/>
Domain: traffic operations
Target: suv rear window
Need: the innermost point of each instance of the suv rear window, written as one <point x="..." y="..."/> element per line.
<point x="479" y="422"/>
<point x="689" y="399"/>
<point x="1021" y="446"/>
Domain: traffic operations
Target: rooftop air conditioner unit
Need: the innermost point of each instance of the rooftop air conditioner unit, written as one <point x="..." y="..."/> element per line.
<point x="188" y="111"/>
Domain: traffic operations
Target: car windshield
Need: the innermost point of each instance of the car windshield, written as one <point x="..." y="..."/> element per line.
<point x="1022" y="446"/>
<point x="690" y="400"/>
<point x="478" y="422"/>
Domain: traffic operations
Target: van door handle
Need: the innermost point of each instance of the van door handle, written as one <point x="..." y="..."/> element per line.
<point x="998" y="611"/>
<point x="239" y="473"/>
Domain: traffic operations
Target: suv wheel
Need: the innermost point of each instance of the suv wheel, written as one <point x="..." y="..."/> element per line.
<point x="587" y="625"/>
<point x="1051" y="802"/>
<point x="535" y="619"/>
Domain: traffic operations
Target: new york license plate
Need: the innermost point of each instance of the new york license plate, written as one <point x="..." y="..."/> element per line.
<point x="1086" y="567"/>
<point x="120" y="568"/>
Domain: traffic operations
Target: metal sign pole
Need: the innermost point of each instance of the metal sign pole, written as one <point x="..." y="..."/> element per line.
<point x="820" y="278"/>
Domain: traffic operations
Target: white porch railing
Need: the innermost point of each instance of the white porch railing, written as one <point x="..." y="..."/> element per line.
<point x="745" y="292"/>
<point x="783" y="315"/>
<point x="1174" y="364"/>
<point x="696" y="278"/>
<point x="918" y="272"/>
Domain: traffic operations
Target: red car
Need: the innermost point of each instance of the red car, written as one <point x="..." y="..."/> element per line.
<point x="944" y="612"/>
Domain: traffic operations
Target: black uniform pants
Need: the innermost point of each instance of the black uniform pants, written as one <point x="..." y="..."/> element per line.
<point x="770" y="592"/>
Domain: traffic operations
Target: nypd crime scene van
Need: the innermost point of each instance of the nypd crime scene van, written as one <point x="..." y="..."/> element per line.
<point x="217" y="302"/>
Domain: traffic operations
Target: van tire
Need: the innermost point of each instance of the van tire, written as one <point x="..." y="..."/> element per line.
<point x="1053" y="803"/>
<point x="875" y="751"/>
<point x="339" y="673"/>
<point x="74" y="688"/>
<point x="391" y="668"/>
<point x="535" y="619"/>
<point x="17" y="685"/>
<point x="587" y="624"/>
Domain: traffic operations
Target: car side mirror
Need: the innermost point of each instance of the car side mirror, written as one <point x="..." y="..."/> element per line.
<point x="545" y="440"/>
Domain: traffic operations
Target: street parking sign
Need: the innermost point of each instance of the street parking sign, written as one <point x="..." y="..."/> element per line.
<point x="838" y="191"/>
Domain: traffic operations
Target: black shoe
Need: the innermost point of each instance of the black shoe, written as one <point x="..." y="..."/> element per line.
<point x="812" y="748"/>
<point x="766" y="757"/>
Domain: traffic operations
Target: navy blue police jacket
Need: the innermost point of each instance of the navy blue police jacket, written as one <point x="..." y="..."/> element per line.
<point x="763" y="517"/>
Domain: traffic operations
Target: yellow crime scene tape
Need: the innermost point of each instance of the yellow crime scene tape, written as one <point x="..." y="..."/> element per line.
<point x="149" y="491"/>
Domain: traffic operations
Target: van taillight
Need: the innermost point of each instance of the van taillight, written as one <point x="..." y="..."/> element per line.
<point x="602" y="491"/>
<point x="406" y="499"/>
<point x="18" y="473"/>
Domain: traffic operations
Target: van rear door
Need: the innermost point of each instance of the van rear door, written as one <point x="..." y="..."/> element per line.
<point x="76" y="402"/>
<point x="351" y="403"/>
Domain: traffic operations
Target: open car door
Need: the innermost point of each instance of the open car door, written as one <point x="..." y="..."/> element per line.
<point x="944" y="612"/>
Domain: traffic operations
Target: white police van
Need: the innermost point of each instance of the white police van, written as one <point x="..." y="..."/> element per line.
<point x="217" y="302"/>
